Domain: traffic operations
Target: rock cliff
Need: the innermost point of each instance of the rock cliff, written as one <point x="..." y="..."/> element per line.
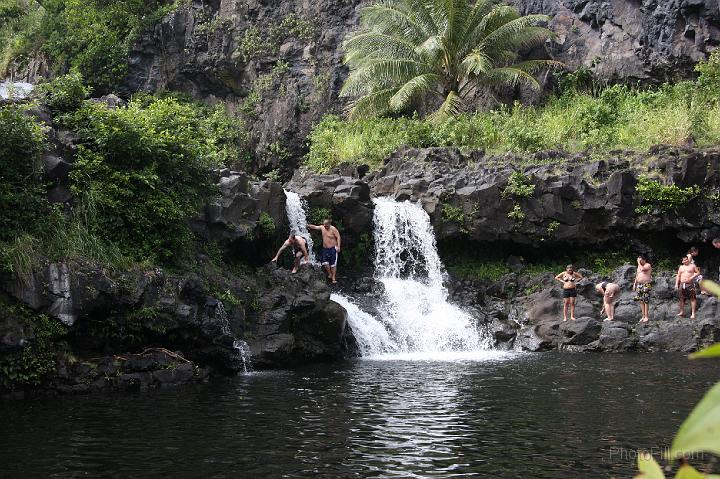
<point x="280" y="64"/>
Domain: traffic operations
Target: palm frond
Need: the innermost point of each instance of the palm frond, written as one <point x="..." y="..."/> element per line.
<point x="368" y="45"/>
<point x="376" y="103"/>
<point x="420" y="84"/>
<point x="389" y="18"/>
<point x="477" y="63"/>
<point x="499" y="15"/>
<point x="384" y="72"/>
<point x="509" y="76"/>
<point x="515" y="34"/>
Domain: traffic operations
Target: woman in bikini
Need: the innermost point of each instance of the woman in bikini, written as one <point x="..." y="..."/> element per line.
<point x="568" y="278"/>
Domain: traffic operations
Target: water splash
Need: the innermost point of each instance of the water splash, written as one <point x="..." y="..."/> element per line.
<point x="239" y="345"/>
<point x="416" y="321"/>
<point x="371" y="335"/>
<point x="295" y="208"/>
<point x="415" y="306"/>
<point x="243" y="350"/>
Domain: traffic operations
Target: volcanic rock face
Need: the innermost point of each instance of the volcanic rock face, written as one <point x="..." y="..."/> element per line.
<point x="574" y="200"/>
<point x="280" y="64"/>
<point x="285" y="319"/>
<point x="539" y="326"/>
<point x="631" y="40"/>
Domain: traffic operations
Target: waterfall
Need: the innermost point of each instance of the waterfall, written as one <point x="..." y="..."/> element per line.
<point x="295" y="208"/>
<point x="238" y="344"/>
<point x="415" y="319"/>
<point x="243" y="350"/>
<point x="415" y="305"/>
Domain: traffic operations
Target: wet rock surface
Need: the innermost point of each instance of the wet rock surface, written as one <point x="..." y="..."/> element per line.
<point x="532" y="321"/>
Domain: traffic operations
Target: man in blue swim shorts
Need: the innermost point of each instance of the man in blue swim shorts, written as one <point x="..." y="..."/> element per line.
<point x="331" y="247"/>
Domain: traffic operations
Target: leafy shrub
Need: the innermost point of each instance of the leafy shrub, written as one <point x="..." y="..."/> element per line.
<point x="518" y="186"/>
<point x="317" y="215"/>
<point x="709" y="78"/>
<point x="655" y="196"/>
<point x="487" y="270"/>
<point x="64" y="93"/>
<point x="21" y="190"/>
<point x="266" y="224"/>
<point x="95" y="36"/>
<point x="516" y="214"/>
<point x="452" y="213"/>
<point x="146" y="171"/>
<point x="36" y="361"/>
<point x="617" y="117"/>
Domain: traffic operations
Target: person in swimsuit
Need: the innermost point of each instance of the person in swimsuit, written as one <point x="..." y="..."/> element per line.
<point x="331" y="247"/>
<point x="692" y="255"/>
<point x="568" y="278"/>
<point x="299" y="248"/>
<point x="609" y="291"/>
<point x="643" y="286"/>
<point x="686" y="286"/>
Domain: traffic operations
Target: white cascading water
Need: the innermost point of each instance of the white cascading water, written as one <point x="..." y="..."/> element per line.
<point x="295" y="209"/>
<point x="416" y="321"/>
<point x="415" y="306"/>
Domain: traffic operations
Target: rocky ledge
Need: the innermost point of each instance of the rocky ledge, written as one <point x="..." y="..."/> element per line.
<point x="571" y="199"/>
<point x="132" y="320"/>
<point x="525" y="313"/>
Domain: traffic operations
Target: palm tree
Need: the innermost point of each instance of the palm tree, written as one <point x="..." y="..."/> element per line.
<point x="408" y="50"/>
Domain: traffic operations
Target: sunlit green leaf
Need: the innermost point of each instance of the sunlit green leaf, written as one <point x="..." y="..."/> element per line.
<point x="648" y="467"/>
<point x="686" y="471"/>
<point x="701" y="430"/>
<point x="709" y="352"/>
<point x="712" y="287"/>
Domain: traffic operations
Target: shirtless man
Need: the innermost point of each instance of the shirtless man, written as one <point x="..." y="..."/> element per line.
<point x="331" y="247"/>
<point x="643" y="287"/>
<point x="685" y="284"/>
<point x="300" y="252"/>
<point x="609" y="291"/>
<point x="568" y="279"/>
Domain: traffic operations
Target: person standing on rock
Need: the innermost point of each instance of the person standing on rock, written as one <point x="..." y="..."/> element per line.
<point x="716" y="245"/>
<point x="568" y="278"/>
<point x="692" y="255"/>
<point x="609" y="291"/>
<point x="300" y="252"/>
<point x="686" y="285"/>
<point x="643" y="287"/>
<point x="331" y="247"/>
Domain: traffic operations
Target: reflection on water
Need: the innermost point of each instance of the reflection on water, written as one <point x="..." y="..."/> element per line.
<point x="536" y="416"/>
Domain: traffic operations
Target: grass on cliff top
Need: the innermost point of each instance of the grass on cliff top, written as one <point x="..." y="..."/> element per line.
<point x="580" y="119"/>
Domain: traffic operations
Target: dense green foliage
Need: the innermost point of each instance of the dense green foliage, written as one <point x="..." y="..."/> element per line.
<point x="437" y="52"/>
<point x="145" y="170"/>
<point x="485" y="266"/>
<point x="518" y="186"/>
<point x="65" y="93"/>
<point x="37" y="360"/>
<point x="91" y="36"/>
<point x="618" y="117"/>
<point x="21" y="191"/>
<point x="656" y="196"/>
<point x="140" y="173"/>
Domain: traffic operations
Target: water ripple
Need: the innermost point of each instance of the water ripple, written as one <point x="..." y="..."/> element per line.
<point x="539" y="416"/>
